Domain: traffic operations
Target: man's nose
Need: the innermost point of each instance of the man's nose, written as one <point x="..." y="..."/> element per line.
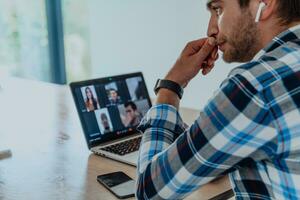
<point x="213" y="29"/>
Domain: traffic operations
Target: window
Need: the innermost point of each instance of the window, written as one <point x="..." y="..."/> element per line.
<point x="24" y="48"/>
<point x="76" y="39"/>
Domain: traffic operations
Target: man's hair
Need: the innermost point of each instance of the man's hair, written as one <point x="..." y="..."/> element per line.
<point x="288" y="10"/>
<point x="113" y="89"/>
<point x="103" y="116"/>
<point x="130" y="103"/>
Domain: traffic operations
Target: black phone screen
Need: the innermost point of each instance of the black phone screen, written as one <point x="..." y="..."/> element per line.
<point x="118" y="183"/>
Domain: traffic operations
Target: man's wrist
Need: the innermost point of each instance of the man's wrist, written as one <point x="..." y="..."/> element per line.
<point x="166" y="96"/>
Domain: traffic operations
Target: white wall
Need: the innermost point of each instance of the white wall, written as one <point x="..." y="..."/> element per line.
<point x="148" y="36"/>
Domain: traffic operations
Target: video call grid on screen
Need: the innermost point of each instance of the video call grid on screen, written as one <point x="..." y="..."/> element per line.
<point x="112" y="106"/>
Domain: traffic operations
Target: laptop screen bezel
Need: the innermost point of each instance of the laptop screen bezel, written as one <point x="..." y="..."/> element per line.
<point x="113" y="136"/>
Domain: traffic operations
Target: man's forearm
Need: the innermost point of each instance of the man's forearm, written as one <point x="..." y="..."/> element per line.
<point x="165" y="96"/>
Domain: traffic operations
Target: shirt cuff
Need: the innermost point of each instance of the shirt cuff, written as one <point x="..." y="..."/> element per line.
<point x="163" y="116"/>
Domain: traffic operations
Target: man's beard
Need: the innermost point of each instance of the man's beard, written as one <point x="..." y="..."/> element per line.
<point x="242" y="41"/>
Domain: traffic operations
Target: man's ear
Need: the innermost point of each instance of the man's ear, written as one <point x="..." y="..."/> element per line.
<point x="268" y="10"/>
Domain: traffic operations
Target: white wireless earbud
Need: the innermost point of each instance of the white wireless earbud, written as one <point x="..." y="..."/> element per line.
<point x="259" y="10"/>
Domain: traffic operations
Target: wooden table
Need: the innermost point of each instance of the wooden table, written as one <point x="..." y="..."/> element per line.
<point x="50" y="159"/>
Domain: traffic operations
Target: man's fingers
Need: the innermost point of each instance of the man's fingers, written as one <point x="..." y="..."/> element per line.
<point x="205" y="50"/>
<point x="217" y="56"/>
<point x="214" y="53"/>
<point x="208" y="65"/>
<point x="206" y="70"/>
<point x="204" y="64"/>
<point x="193" y="47"/>
<point x="210" y="61"/>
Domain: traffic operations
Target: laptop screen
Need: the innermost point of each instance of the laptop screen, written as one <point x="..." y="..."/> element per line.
<point x="111" y="107"/>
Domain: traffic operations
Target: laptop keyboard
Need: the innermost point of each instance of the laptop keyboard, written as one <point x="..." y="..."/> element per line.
<point x="125" y="147"/>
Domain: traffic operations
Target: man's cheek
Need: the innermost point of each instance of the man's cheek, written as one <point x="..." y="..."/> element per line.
<point x="223" y="27"/>
<point x="220" y="20"/>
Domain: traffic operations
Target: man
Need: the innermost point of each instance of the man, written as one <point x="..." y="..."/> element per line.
<point x="133" y="117"/>
<point x="250" y="129"/>
<point x="114" y="98"/>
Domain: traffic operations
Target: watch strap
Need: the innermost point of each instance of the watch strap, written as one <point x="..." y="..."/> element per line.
<point x="170" y="85"/>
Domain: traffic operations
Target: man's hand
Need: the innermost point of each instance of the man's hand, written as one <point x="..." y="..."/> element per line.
<point x="197" y="55"/>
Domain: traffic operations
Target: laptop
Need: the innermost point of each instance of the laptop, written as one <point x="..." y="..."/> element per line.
<point x="110" y="110"/>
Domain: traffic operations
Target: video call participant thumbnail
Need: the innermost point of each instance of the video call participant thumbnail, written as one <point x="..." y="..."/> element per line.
<point x="136" y="88"/>
<point x="132" y="116"/>
<point x="91" y="102"/>
<point x="114" y="98"/>
<point x="104" y="121"/>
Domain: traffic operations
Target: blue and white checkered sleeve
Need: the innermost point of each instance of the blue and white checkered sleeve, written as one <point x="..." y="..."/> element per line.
<point x="163" y="125"/>
<point x="234" y="126"/>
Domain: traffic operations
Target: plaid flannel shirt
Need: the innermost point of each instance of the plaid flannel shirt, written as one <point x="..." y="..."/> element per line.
<point x="249" y="129"/>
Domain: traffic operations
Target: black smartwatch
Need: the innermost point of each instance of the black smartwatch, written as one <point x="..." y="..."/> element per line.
<point x="170" y="85"/>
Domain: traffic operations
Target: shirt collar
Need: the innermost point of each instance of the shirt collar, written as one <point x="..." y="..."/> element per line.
<point x="284" y="37"/>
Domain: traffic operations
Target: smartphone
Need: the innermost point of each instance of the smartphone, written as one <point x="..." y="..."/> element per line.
<point x="121" y="185"/>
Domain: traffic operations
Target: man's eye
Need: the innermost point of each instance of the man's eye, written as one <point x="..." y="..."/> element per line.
<point x="218" y="10"/>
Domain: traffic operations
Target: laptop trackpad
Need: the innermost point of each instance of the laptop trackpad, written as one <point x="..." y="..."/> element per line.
<point x="131" y="157"/>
